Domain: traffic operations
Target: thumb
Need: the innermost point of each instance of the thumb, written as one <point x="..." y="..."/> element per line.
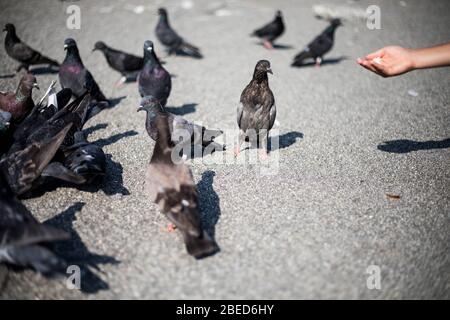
<point x="380" y="53"/>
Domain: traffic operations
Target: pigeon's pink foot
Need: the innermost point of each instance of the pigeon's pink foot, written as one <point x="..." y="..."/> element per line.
<point x="263" y="155"/>
<point x="237" y="150"/>
<point x="318" y="62"/>
<point x="267" y="45"/>
<point x="120" y="82"/>
<point x="171" y="228"/>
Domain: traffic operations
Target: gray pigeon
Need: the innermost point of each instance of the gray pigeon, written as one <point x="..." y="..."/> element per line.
<point x="172" y="187"/>
<point x="154" y="80"/>
<point x="182" y="131"/>
<point x="257" y="111"/>
<point x="23" y="239"/>
<point x="271" y="31"/>
<point x="21" y="52"/>
<point x="319" y="46"/>
<point x="169" y="38"/>
<point x="127" y="64"/>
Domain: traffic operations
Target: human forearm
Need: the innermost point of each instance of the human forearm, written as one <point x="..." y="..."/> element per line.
<point x="438" y="56"/>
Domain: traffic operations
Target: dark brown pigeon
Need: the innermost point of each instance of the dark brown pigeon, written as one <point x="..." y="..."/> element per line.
<point x="73" y="74"/>
<point x="319" y="46"/>
<point x="154" y="80"/>
<point x="127" y="64"/>
<point x="23" y="239"/>
<point x="271" y="31"/>
<point x="19" y="103"/>
<point x="169" y="38"/>
<point x="21" y="52"/>
<point x="23" y="167"/>
<point x="172" y="187"/>
<point x="256" y="112"/>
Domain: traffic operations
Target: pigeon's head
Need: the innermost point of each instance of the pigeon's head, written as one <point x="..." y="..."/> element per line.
<point x="336" y="22"/>
<point x="278" y="14"/>
<point x="69" y="43"/>
<point x="29" y="81"/>
<point x="262" y="69"/>
<point x="99" y="45"/>
<point x="9" y="27"/>
<point x="151" y="105"/>
<point x="148" y="46"/>
<point x="162" y="12"/>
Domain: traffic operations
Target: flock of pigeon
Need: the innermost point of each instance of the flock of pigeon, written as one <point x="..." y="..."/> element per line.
<point x="44" y="143"/>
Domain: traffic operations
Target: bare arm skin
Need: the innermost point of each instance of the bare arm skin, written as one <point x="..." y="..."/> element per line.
<point x="394" y="60"/>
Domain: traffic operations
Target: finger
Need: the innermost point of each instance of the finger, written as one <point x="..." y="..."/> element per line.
<point x="380" y="68"/>
<point x="376" y="54"/>
<point x="367" y="65"/>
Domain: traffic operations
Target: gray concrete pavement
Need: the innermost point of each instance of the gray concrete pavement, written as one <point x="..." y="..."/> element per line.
<point x="311" y="230"/>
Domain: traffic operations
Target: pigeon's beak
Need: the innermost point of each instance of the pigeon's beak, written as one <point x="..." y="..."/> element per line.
<point x="94" y="49"/>
<point x="140" y="108"/>
<point x="150" y="49"/>
<point x="4" y="30"/>
<point x="65" y="47"/>
<point x="35" y="85"/>
<point x="269" y="71"/>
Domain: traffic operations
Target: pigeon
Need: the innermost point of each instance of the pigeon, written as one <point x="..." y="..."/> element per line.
<point x="172" y="187"/>
<point x="319" y="46"/>
<point x="257" y="111"/>
<point x="127" y="64"/>
<point x="23" y="240"/>
<point x="182" y="131"/>
<point x="73" y="74"/>
<point x="19" y="103"/>
<point x="41" y="113"/>
<point x="169" y="38"/>
<point x="21" y="52"/>
<point x="270" y="31"/>
<point x="154" y="80"/>
<point x="84" y="159"/>
<point x="23" y="167"/>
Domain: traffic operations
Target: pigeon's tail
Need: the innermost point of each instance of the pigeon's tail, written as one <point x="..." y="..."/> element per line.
<point x="95" y="108"/>
<point x="45" y="60"/>
<point x="190" y="50"/>
<point x="200" y="247"/>
<point x="299" y="58"/>
<point x="35" y="256"/>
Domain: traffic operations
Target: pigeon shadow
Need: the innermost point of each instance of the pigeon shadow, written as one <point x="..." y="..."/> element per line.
<point x="209" y="203"/>
<point x="183" y="110"/>
<point x="75" y="252"/>
<point x="7" y="76"/>
<point x="114" y="138"/>
<point x="94" y="128"/>
<point x="284" y="141"/>
<point x="405" y="146"/>
<point x="329" y="61"/>
<point x="112" y="183"/>
<point x="115" y="101"/>
<point x="282" y="46"/>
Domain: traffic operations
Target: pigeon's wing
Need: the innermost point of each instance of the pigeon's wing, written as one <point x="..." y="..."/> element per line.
<point x="240" y="110"/>
<point x="23" y="167"/>
<point x="320" y="45"/>
<point x="23" y="52"/>
<point x="168" y="36"/>
<point x="267" y="30"/>
<point x="272" y="116"/>
<point x="60" y="172"/>
<point x="132" y="63"/>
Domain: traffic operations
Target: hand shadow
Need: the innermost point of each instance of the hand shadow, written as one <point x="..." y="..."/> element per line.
<point x="75" y="252"/>
<point x="209" y="203"/>
<point x="405" y="146"/>
<point x="184" y="109"/>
